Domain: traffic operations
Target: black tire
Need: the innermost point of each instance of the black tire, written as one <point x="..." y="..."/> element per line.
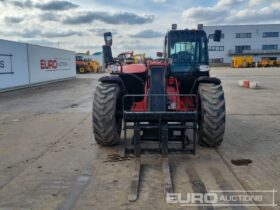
<point x="106" y="125"/>
<point x="212" y="119"/>
<point x="82" y="70"/>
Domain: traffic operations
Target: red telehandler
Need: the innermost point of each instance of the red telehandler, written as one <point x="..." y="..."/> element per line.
<point x="170" y="104"/>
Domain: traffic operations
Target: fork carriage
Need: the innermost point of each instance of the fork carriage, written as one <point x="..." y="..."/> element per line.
<point x="158" y="131"/>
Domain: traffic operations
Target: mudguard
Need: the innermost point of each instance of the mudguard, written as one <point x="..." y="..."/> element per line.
<point x="116" y="80"/>
<point x="204" y="79"/>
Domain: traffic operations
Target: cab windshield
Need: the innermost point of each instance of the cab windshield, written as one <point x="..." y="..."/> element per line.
<point x="187" y="51"/>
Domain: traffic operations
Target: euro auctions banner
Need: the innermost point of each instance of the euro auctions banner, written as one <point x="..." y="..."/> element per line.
<point x="56" y="64"/>
<point x="47" y="64"/>
<point x="13" y="65"/>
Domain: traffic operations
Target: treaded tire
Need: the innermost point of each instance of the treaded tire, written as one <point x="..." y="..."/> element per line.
<point x="106" y="126"/>
<point x="212" y="119"/>
<point x="82" y="70"/>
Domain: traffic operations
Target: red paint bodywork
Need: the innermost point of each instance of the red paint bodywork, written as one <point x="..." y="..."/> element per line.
<point x="134" y="68"/>
<point x="177" y="102"/>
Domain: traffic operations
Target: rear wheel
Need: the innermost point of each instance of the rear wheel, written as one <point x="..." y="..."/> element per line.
<point x="82" y="70"/>
<point x="212" y="120"/>
<point x="106" y="124"/>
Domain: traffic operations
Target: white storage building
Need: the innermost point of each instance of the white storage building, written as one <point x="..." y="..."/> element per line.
<point x="259" y="41"/>
<point x="23" y="65"/>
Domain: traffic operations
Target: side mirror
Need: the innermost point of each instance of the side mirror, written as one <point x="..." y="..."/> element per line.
<point x="217" y="35"/>
<point x="159" y="54"/>
<point x="107" y="54"/>
<point x="108" y="38"/>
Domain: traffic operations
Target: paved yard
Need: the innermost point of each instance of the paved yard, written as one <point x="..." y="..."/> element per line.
<point x="49" y="159"/>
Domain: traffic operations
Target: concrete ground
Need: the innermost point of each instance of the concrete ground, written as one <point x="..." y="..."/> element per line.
<point x="49" y="159"/>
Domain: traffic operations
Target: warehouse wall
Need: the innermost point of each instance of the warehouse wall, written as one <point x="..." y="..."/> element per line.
<point x="256" y="41"/>
<point x="23" y="65"/>
<point x="47" y="64"/>
<point x="13" y="65"/>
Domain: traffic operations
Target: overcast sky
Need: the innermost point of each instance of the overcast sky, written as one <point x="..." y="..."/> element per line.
<point x="136" y="25"/>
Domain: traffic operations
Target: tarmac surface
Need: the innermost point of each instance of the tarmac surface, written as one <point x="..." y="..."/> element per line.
<point x="49" y="159"/>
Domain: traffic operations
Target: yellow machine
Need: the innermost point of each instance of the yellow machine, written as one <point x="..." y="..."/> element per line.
<point x="85" y="64"/>
<point x="139" y="58"/>
<point x="242" y="62"/>
<point x="265" y="62"/>
<point x="94" y="66"/>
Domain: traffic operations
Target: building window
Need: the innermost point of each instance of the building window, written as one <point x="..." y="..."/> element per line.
<point x="270" y="47"/>
<point x="216" y="48"/>
<point x="240" y="49"/>
<point x="216" y="60"/>
<point x="270" y="34"/>
<point x="243" y="35"/>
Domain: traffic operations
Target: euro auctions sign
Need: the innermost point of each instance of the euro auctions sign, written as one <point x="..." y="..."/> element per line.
<point x="47" y="64"/>
<point x="56" y="64"/>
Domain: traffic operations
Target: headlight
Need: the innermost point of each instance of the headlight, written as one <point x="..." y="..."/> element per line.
<point x="204" y="68"/>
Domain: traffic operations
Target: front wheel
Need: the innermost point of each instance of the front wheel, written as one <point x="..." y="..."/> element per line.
<point x="212" y="119"/>
<point x="106" y="124"/>
<point x="82" y="70"/>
